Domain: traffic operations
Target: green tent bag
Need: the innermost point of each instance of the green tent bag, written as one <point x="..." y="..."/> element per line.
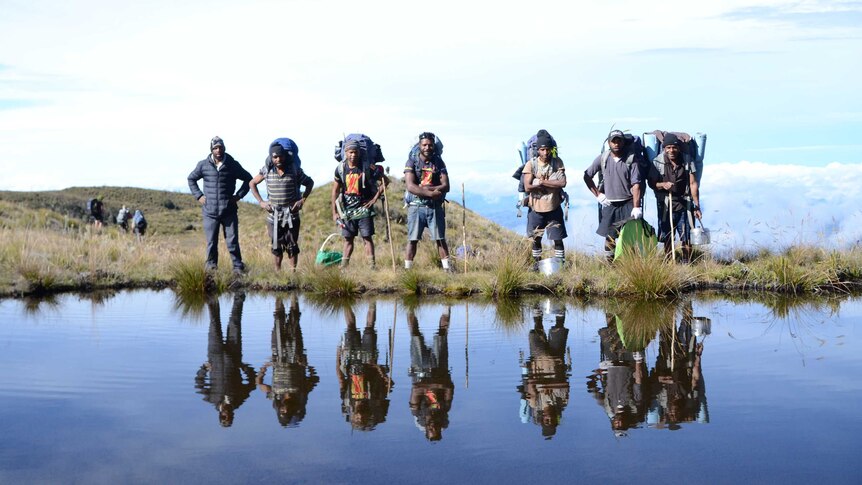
<point x="636" y="236"/>
<point x="327" y="258"/>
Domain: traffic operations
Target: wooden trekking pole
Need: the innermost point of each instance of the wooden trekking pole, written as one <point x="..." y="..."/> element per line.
<point x="388" y="224"/>
<point x="670" y="219"/>
<point x="673" y="346"/>
<point x="392" y="348"/>
<point x="467" y="347"/>
<point x="464" y="223"/>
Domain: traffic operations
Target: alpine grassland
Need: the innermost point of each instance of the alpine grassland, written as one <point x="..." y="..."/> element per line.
<point x="46" y="246"/>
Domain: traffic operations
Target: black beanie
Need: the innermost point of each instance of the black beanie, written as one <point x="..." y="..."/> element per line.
<point x="670" y="139"/>
<point x="277" y="150"/>
<point x="543" y="139"/>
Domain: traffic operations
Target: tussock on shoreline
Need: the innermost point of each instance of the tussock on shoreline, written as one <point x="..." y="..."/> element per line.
<point x="44" y="261"/>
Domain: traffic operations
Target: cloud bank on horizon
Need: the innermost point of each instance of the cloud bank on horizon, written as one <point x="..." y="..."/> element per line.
<point x="100" y="93"/>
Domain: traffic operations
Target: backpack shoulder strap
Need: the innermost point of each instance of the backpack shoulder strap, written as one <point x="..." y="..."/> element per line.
<point x="605" y="156"/>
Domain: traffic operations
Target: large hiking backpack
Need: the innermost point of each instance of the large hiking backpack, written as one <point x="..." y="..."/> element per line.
<point x="122" y="216"/>
<point x="94" y="205"/>
<point x="528" y="151"/>
<point x="291" y="149"/>
<point x="370" y="155"/>
<point x="693" y="147"/>
<point x="139" y="221"/>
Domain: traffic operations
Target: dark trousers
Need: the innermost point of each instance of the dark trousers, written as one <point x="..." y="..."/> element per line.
<point x="230" y="224"/>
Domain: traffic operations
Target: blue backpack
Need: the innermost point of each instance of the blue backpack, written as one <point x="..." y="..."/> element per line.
<point x="291" y="149"/>
<point x="139" y="221"/>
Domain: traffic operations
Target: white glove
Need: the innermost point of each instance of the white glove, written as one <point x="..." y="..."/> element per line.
<point x="603" y="200"/>
<point x="637" y="213"/>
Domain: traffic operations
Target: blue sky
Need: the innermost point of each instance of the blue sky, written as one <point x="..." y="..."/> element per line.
<point x="101" y="93"/>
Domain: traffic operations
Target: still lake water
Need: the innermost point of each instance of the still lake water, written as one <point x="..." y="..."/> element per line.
<point x="138" y="387"/>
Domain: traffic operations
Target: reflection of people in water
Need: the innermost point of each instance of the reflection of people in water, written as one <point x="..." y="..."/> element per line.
<point x="433" y="389"/>
<point x="679" y="389"/>
<point x="292" y="377"/>
<point x="545" y="375"/>
<point x="230" y="379"/>
<point x="364" y="384"/>
<point x="619" y="385"/>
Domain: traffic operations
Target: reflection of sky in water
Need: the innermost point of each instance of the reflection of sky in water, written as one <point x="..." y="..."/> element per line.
<point x="103" y="389"/>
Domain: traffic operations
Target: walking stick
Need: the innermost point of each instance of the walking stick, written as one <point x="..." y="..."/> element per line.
<point x="467" y="347"/>
<point x="464" y="223"/>
<point x="392" y="348"/>
<point x="388" y="224"/>
<point x="670" y="219"/>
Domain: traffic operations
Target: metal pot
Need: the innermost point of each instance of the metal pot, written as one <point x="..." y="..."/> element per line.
<point x="550" y="266"/>
<point x="700" y="236"/>
<point x="702" y="326"/>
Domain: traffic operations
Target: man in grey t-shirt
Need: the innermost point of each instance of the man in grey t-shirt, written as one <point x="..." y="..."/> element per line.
<point x="619" y="190"/>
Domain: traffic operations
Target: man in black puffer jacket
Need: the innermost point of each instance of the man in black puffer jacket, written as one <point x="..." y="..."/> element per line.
<point x="219" y="198"/>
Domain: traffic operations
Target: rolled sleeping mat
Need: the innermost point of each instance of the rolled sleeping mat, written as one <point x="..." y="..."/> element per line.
<point x="700" y="138"/>
<point x="652" y="145"/>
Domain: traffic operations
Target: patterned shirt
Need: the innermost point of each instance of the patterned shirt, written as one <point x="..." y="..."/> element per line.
<point x="283" y="190"/>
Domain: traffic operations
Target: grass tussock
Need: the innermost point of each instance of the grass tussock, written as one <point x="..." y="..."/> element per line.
<point x="332" y="282"/>
<point x="510" y="273"/>
<point x="649" y="275"/>
<point x="798" y="269"/>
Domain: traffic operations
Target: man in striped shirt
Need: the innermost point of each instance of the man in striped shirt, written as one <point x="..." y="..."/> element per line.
<point x="283" y="178"/>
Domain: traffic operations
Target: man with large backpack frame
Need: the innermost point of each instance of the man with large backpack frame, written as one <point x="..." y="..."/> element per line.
<point x="427" y="185"/>
<point x="357" y="186"/>
<point x="283" y="174"/>
<point x="674" y="175"/>
<point x="621" y="170"/>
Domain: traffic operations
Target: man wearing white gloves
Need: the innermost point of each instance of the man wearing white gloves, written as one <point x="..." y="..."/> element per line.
<point x="619" y="190"/>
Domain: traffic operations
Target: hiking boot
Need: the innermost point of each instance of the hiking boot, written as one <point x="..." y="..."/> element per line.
<point x="239" y="271"/>
<point x="211" y="268"/>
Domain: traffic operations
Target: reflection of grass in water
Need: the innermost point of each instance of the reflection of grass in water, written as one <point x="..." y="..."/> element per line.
<point x="509" y="314"/>
<point x="97" y="297"/>
<point x="797" y="316"/>
<point x="34" y="306"/>
<point x="330" y="306"/>
<point x="642" y="319"/>
<point x="191" y="305"/>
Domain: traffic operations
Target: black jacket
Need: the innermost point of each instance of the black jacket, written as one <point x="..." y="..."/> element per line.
<point x="219" y="185"/>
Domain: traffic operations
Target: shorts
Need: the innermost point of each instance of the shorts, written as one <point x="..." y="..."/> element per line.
<point x="550" y="223"/>
<point x="680" y="225"/>
<point x="288" y="238"/>
<point x="613" y="217"/>
<point x="364" y="227"/>
<point x="421" y="216"/>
